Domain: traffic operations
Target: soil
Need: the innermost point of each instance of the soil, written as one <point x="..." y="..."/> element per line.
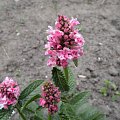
<point x="22" y="37"/>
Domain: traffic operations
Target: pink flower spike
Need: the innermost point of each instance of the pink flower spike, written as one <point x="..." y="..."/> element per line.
<point x="63" y="40"/>
<point x="50" y="97"/>
<point x="9" y="92"/>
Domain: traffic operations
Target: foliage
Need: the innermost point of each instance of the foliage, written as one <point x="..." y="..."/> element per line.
<point x="110" y="89"/>
<point x="29" y="89"/>
<point x="6" y="114"/>
<point x="59" y="79"/>
<point x="66" y="104"/>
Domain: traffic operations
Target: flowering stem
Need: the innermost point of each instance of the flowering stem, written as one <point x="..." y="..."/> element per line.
<point x="19" y="111"/>
<point x="49" y="117"/>
<point x="66" y="72"/>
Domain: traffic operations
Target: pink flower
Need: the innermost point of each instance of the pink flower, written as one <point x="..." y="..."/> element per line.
<point x="42" y="102"/>
<point x="74" y="22"/>
<point x="52" y="109"/>
<point x="64" y="42"/>
<point x="50" y="97"/>
<point x="9" y="92"/>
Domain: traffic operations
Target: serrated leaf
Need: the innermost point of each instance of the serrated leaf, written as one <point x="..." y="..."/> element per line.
<point x="71" y="80"/>
<point x="66" y="73"/>
<point x="79" y="98"/>
<point x="33" y="106"/>
<point x="59" y="79"/>
<point x="56" y="117"/>
<point x="87" y="112"/>
<point x="30" y="100"/>
<point x="76" y="62"/>
<point x="5" y="114"/>
<point x="30" y="88"/>
<point x="35" y="118"/>
<point x="67" y="112"/>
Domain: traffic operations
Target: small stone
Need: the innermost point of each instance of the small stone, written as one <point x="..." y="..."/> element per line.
<point x="94" y="74"/>
<point x="16" y="0"/>
<point x="23" y="59"/>
<point x="113" y="71"/>
<point x="81" y="76"/>
<point x="46" y="76"/>
<point x="99" y="59"/>
<point x="32" y="65"/>
<point x="41" y="7"/>
<point x="118" y="61"/>
<point x="13" y="112"/>
<point x="100" y="44"/>
<point x="18" y="34"/>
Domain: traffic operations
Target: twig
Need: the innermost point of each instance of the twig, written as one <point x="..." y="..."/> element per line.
<point x="5" y="52"/>
<point x="103" y="2"/>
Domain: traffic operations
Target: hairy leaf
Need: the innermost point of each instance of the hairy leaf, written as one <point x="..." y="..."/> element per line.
<point x="30" y="88"/>
<point x="67" y="112"/>
<point x="71" y="80"/>
<point x="79" y="97"/>
<point x="87" y="112"/>
<point x="5" y="114"/>
<point x="59" y="79"/>
<point x="31" y="100"/>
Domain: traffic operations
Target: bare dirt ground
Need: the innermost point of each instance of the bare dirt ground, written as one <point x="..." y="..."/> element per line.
<point x="22" y="38"/>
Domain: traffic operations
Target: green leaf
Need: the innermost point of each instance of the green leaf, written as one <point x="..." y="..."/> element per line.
<point x="104" y="91"/>
<point x="66" y="73"/>
<point x="56" y="117"/>
<point x="79" y="97"/>
<point x="67" y="112"/>
<point x="87" y="112"/>
<point x="113" y="85"/>
<point x="59" y="79"/>
<point x="35" y="118"/>
<point x="76" y="62"/>
<point x="33" y="106"/>
<point x="71" y="80"/>
<point x="30" y="88"/>
<point x="30" y="100"/>
<point x="42" y="113"/>
<point x="5" y="114"/>
<point x="115" y="97"/>
<point x="107" y="83"/>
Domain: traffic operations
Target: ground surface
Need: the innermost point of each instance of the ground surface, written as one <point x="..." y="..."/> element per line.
<point x="22" y="38"/>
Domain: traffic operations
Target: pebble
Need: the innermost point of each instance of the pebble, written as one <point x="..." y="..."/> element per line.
<point x="81" y="76"/>
<point x="23" y="59"/>
<point x="18" y="34"/>
<point x="46" y="76"/>
<point x="118" y="61"/>
<point x="113" y="71"/>
<point x="100" y="44"/>
<point x="16" y="0"/>
<point x="99" y="59"/>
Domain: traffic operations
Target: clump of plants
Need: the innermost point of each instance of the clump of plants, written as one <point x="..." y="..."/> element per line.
<point x="110" y="89"/>
<point x="58" y="98"/>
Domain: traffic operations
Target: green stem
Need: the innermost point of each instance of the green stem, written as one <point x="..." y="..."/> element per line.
<point x="20" y="112"/>
<point x="66" y="72"/>
<point x="49" y="117"/>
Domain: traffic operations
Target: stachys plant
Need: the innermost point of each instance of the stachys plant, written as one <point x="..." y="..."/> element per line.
<point x="58" y="99"/>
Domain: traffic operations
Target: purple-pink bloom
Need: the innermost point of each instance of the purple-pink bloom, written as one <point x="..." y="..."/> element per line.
<point x="9" y="92"/>
<point x="50" y="97"/>
<point x="64" y="42"/>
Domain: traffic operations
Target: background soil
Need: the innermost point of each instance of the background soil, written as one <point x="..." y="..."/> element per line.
<point x="22" y="38"/>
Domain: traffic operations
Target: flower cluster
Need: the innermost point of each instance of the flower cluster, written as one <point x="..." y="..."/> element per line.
<point x="50" y="97"/>
<point x="9" y="93"/>
<point x="64" y="42"/>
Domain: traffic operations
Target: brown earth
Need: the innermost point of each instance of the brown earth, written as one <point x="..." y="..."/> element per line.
<point x="22" y="38"/>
